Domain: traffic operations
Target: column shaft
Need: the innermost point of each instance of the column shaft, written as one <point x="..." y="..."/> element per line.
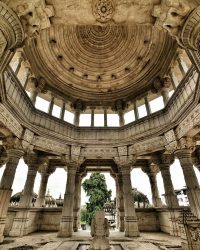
<point x="121" y="118"/>
<point x="51" y="103"/>
<point x="120" y="203"/>
<point x="131" y="225"/>
<point x="165" y="95"/>
<point x="193" y="191"/>
<point x="182" y="65"/>
<point x="147" y="105"/>
<point x="66" y="224"/>
<point x="174" y="80"/>
<point x="92" y="117"/>
<point x="6" y="184"/>
<point x="17" y="65"/>
<point x="77" y="117"/>
<point x="62" y="111"/>
<point x="154" y="189"/>
<point x="105" y="118"/>
<point x="170" y="196"/>
<point x="77" y="202"/>
<point x="136" y="111"/>
<point x="24" y="80"/>
<point x="42" y="191"/>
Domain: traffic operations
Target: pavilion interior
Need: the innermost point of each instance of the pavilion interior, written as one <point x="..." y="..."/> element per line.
<point x="62" y="61"/>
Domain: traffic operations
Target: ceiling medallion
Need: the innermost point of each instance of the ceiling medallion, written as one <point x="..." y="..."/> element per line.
<point x="103" y="10"/>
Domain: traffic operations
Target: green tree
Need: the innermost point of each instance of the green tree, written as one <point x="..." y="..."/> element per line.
<point x="96" y="188"/>
<point x="83" y="215"/>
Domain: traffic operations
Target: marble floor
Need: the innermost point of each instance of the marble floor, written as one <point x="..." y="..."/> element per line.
<point x="49" y="241"/>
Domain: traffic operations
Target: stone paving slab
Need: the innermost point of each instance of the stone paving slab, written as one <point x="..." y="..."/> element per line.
<point x="50" y="241"/>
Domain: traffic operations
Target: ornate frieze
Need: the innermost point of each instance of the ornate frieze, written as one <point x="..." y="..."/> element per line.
<point x="10" y="122"/>
<point x="3" y="42"/>
<point x="148" y="145"/>
<point x="103" y="10"/>
<point x="99" y="152"/>
<point x="51" y="145"/>
<point x="35" y="16"/>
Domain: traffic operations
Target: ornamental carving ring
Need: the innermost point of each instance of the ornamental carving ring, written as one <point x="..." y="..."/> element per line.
<point x="103" y="10"/>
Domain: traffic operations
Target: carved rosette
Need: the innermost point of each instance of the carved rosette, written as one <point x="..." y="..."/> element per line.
<point x="11" y="30"/>
<point x="190" y="34"/>
<point x="103" y="10"/>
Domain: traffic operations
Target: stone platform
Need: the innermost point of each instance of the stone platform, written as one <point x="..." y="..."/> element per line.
<point x="50" y="241"/>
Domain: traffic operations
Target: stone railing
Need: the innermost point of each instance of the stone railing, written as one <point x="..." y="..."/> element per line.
<point x="16" y="101"/>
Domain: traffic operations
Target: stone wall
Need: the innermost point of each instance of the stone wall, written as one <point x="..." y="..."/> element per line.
<point x="48" y="219"/>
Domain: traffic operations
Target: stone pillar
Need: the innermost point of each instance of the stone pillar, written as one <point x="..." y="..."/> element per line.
<point x="152" y="171"/>
<point x="24" y="80"/>
<point x="40" y="201"/>
<point x="147" y="105"/>
<point x="51" y="103"/>
<point x="170" y="196"/>
<point x="105" y="117"/>
<point x="62" y="110"/>
<point x="77" y="195"/>
<point x="77" y="117"/>
<point x="183" y="67"/>
<point x="121" y="118"/>
<point x="32" y="88"/>
<point x="92" y="116"/>
<point x="6" y="184"/>
<point x="136" y="110"/>
<point x="120" y="202"/>
<point x="66" y="224"/>
<point x="20" y="224"/>
<point x="131" y="225"/>
<point x="17" y="65"/>
<point x="174" y="80"/>
<point x="193" y="191"/>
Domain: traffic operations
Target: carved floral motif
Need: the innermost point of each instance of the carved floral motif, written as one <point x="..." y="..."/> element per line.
<point x="103" y="10"/>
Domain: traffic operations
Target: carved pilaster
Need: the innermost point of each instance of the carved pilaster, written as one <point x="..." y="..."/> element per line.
<point x="162" y="86"/>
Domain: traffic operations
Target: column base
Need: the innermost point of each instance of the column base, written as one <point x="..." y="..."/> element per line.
<point x="131" y="227"/>
<point x="66" y="227"/>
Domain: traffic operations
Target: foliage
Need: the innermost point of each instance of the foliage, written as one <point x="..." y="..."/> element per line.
<point x="83" y="214"/>
<point x="96" y="188"/>
<point x="139" y="197"/>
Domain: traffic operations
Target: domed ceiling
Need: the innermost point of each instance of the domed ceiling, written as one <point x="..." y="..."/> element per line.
<point x="101" y="62"/>
<point x="101" y="50"/>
